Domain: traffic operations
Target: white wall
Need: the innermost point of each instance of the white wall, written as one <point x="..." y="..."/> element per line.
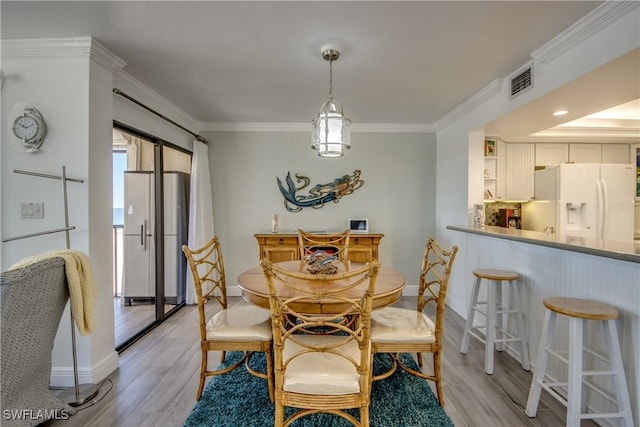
<point x="100" y="209"/>
<point x="69" y="89"/>
<point x="398" y="195"/>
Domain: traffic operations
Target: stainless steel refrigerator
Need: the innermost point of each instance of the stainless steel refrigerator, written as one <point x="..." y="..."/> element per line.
<point x="139" y="278"/>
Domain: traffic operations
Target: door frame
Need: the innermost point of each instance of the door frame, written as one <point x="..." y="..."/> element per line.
<point x="160" y="314"/>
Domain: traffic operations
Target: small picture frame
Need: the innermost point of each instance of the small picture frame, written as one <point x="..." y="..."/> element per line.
<point x="358" y="225"/>
<point x="489" y="147"/>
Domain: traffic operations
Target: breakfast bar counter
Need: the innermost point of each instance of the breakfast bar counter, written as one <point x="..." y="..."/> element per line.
<point x="625" y="251"/>
<point x="551" y="265"/>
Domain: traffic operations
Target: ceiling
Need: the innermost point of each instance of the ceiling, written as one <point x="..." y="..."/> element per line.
<point x="602" y="106"/>
<point x="619" y="121"/>
<point x="259" y="62"/>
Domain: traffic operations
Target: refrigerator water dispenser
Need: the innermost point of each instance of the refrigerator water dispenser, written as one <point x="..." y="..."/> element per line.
<point x="576" y="213"/>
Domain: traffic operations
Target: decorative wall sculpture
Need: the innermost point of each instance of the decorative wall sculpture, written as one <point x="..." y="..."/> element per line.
<point x="318" y="194"/>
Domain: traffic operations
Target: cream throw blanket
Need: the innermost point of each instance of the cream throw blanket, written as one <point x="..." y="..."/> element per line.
<point x="82" y="286"/>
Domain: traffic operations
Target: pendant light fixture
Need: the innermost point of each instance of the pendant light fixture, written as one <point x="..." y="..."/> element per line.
<point x="331" y="130"/>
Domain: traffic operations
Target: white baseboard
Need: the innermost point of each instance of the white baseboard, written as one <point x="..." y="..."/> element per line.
<point x="63" y="376"/>
<point x="458" y="306"/>
<point x="410" y="291"/>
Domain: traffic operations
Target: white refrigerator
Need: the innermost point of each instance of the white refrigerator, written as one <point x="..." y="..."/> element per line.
<point x="139" y="277"/>
<point x="589" y="199"/>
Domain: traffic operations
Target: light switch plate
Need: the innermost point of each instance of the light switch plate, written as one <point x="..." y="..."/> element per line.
<point x="32" y="210"/>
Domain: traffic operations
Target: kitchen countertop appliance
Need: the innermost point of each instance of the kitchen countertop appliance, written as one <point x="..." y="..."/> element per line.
<point x="510" y="218"/>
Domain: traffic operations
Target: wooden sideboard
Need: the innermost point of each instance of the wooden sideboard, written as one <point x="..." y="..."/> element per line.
<point x="283" y="246"/>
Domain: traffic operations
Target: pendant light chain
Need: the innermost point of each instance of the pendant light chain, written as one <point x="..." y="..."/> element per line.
<point x="331" y="78"/>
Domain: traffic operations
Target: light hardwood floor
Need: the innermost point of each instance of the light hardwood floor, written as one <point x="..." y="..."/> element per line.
<point x="158" y="378"/>
<point x="131" y="319"/>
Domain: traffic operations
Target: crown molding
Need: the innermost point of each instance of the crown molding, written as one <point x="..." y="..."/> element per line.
<point x="253" y="127"/>
<point x="394" y="127"/>
<point x="483" y="95"/>
<point x="26" y="48"/>
<point x="158" y="102"/>
<point x="62" y="48"/>
<point x="578" y="133"/>
<point x="306" y="127"/>
<point x="105" y="57"/>
<point x="595" y="21"/>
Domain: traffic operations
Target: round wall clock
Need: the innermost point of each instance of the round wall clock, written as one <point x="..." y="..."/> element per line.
<point x="30" y="129"/>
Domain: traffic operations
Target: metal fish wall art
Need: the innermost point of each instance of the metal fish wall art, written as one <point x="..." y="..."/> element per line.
<point x="319" y="194"/>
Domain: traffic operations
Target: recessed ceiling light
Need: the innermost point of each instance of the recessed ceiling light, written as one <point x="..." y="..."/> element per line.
<point x="560" y="112"/>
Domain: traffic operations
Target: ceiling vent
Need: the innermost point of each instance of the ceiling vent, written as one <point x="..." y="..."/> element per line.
<point x="522" y="81"/>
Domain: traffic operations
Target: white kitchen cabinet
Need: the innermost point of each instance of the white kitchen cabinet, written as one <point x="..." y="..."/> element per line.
<point x="551" y="154"/>
<point x="599" y="153"/>
<point x="519" y="176"/>
<point x="615" y="153"/>
<point x="585" y="153"/>
<point x="502" y="167"/>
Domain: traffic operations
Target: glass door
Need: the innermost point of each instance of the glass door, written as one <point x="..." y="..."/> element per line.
<point x="176" y="166"/>
<point x="150" y="205"/>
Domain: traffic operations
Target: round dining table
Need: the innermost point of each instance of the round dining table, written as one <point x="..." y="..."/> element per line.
<point x="388" y="289"/>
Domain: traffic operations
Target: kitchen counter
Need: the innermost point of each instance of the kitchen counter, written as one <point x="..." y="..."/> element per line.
<point x="624" y="251"/>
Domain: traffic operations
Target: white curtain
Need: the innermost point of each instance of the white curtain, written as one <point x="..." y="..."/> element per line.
<point x="200" y="208"/>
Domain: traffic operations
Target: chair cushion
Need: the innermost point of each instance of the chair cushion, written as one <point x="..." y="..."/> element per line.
<point x="321" y="373"/>
<point x="240" y="322"/>
<point x="395" y="324"/>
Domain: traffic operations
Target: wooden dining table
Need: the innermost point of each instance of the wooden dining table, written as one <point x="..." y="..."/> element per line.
<point x="388" y="290"/>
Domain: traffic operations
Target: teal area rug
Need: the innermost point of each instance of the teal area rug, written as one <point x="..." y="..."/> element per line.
<point x="238" y="399"/>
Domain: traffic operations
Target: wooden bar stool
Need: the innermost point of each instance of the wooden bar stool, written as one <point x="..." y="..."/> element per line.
<point x="579" y="310"/>
<point x="495" y="333"/>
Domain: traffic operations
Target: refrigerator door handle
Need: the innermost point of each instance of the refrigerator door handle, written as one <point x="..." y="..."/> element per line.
<point x="605" y="207"/>
<point x="142" y="239"/>
<point x="600" y="220"/>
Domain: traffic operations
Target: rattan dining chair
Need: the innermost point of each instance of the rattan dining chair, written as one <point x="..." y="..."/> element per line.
<point x="335" y="243"/>
<point x="327" y="372"/>
<point x="237" y="327"/>
<point x="397" y="330"/>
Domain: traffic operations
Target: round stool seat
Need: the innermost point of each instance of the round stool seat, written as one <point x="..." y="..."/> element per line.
<point x="581" y="308"/>
<point x="493" y="274"/>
